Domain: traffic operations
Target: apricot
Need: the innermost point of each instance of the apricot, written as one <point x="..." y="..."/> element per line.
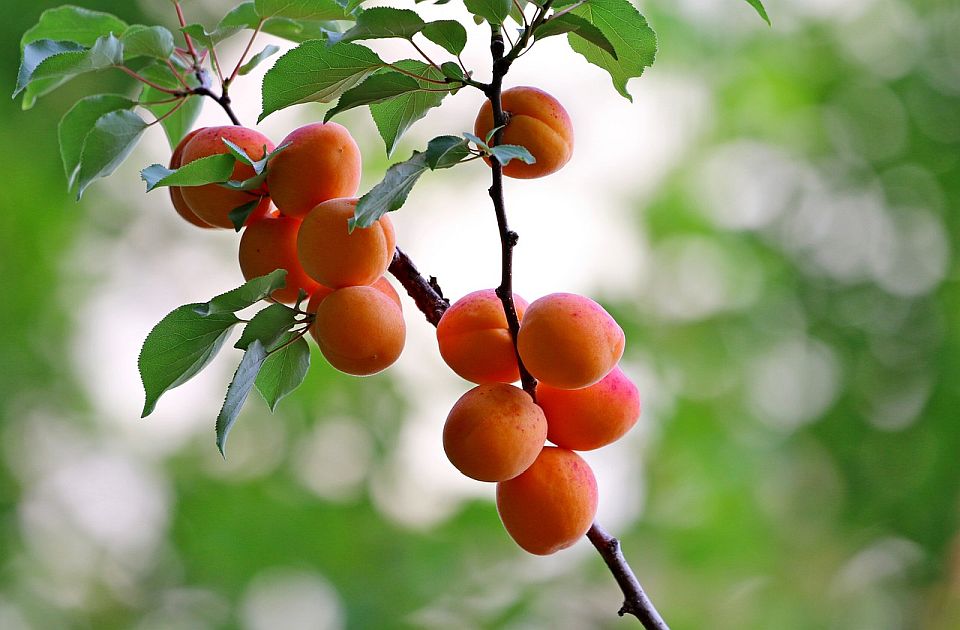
<point x="475" y="341"/>
<point x="176" y="195"/>
<point x="212" y="202"/>
<point x="321" y="162"/>
<point x="535" y="120"/>
<point x="494" y="432"/>
<point x="588" y="418"/>
<point x="269" y="244"/>
<point x="569" y="341"/>
<point x="337" y="258"/>
<point x="382" y="284"/>
<point x="552" y="504"/>
<point x="359" y="330"/>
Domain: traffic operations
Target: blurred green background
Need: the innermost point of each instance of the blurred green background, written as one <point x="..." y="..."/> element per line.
<point x="783" y="208"/>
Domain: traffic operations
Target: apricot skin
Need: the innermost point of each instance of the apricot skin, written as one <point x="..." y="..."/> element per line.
<point x="569" y="341"/>
<point x="552" y="504"/>
<point x="359" y="330"/>
<point x="176" y="194"/>
<point x="536" y="121"/>
<point x="588" y="418"/>
<point x="212" y="203"/>
<point x="321" y="162"/>
<point x="382" y="284"/>
<point x="494" y="432"/>
<point x="474" y="339"/>
<point x="337" y="258"/>
<point x="269" y="244"/>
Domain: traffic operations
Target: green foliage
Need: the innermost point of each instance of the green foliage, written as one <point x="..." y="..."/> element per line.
<point x="628" y="31"/>
<point x="302" y="9"/>
<point x="284" y="370"/>
<point x="391" y="193"/>
<point x="238" y="390"/>
<point x="213" y="169"/>
<point x="384" y="22"/>
<point x="316" y="72"/>
<point x="267" y="326"/>
<point x="448" y="34"/>
<point x="178" y="348"/>
<point x="244" y="296"/>
<point x="493" y="11"/>
<point x="147" y="41"/>
<point x="268" y="51"/>
<point x="570" y="23"/>
<point x="395" y="115"/>
<point x="106" y="145"/>
<point x="73" y="24"/>
<point x="176" y="124"/>
<point x="376" y="88"/>
<point x="244" y="16"/>
<point x="77" y="124"/>
<point x="758" y="5"/>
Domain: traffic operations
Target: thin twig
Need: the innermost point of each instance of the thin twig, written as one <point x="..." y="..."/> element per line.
<point x="146" y="81"/>
<point x="423" y="54"/>
<point x="170" y="112"/>
<point x="425" y="294"/>
<point x="186" y="38"/>
<point x="176" y="73"/>
<point x="223" y="101"/>
<point x="246" y="51"/>
<point x="417" y="76"/>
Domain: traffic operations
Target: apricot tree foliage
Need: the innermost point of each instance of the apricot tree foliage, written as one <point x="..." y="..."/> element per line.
<point x="226" y="174"/>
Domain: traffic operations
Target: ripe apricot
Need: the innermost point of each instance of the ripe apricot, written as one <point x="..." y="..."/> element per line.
<point x="535" y="120"/>
<point x="212" y="202"/>
<point x="176" y="195"/>
<point x="474" y="339"/>
<point x="270" y="244"/>
<point x="337" y="258"/>
<point x="552" y="504"/>
<point x="569" y="341"/>
<point x="588" y="418"/>
<point x="360" y="330"/>
<point x="320" y="162"/>
<point x="494" y="432"/>
<point x="382" y="284"/>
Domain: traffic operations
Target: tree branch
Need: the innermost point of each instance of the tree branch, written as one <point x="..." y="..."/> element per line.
<point x="223" y="101"/>
<point x="425" y="293"/>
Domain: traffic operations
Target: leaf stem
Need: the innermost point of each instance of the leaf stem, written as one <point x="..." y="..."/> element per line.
<point x="145" y="80"/>
<point x="176" y="73"/>
<point x="170" y="112"/>
<point x="246" y="51"/>
<point x="186" y="38"/>
<point x="423" y="54"/>
<point x="416" y="76"/>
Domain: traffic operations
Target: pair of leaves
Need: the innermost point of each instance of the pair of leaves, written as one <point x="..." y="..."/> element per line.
<point x="188" y="338"/>
<point x="213" y="169"/>
<point x="96" y="135"/>
<point x="279" y="19"/>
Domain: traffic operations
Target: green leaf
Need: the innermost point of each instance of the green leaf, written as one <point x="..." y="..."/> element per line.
<point x="267" y="326"/>
<point x="73" y="24"/>
<point x="177" y="348"/>
<point x="493" y="11"/>
<point x="245" y="295"/>
<point x="477" y="140"/>
<point x="109" y="143"/>
<point x="506" y="152"/>
<point x="758" y="5"/>
<point x="239" y="215"/>
<point x="64" y="60"/>
<point x="384" y="22"/>
<point x="244" y="16"/>
<point x="38" y="88"/>
<point x="448" y="34"/>
<point x="394" y="116"/>
<point x="451" y="70"/>
<point x="376" y="88"/>
<point x="179" y="123"/>
<point x="259" y="167"/>
<point x="628" y="31"/>
<point x="391" y="193"/>
<point x="570" y="23"/>
<point x="147" y="41"/>
<point x="36" y="53"/>
<point x="213" y="169"/>
<point x="268" y="51"/>
<point x="302" y="9"/>
<point x="315" y="72"/>
<point x="283" y="371"/>
<point x="78" y="122"/>
<point x="238" y="390"/>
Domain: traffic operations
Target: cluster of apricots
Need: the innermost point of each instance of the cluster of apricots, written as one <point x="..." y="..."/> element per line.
<point x="546" y="495"/>
<point x="312" y="183"/>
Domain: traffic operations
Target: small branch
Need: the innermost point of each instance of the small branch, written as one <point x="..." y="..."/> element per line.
<point x="146" y="81"/>
<point x="223" y="101"/>
<point x="523" y="15"/>
<point x="426" y="293"/>
<point x="528" y="32"/>
<point x="176" y="73"/>
<point x="635" y="601"/>
<point x="186" y="38"/>
<point x="417" y="76"/>
<point x="246" y="51"/>
<point x="170" y="112"/>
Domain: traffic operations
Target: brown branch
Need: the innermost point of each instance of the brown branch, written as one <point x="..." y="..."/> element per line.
<point x="425" y="293"/>
<point x="223" y="101"/>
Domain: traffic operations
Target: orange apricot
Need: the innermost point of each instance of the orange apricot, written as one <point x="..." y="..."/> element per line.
<point x="569" y="341"/>
<point x="494" y="432"/>
<point x="360" y="330"/>
<point x="536" y="121"/>
<point x="474" y="339"/>
<point x="588" y="418"/>
<point x="552" y="504"/>
<point x="212" y="202"/>
<point x="382" y="284"/>
<point x="320" y="162"/>
<point x="176" y="195"/>
<point x="337" y="258"/>
<point x="269" y="244"/>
